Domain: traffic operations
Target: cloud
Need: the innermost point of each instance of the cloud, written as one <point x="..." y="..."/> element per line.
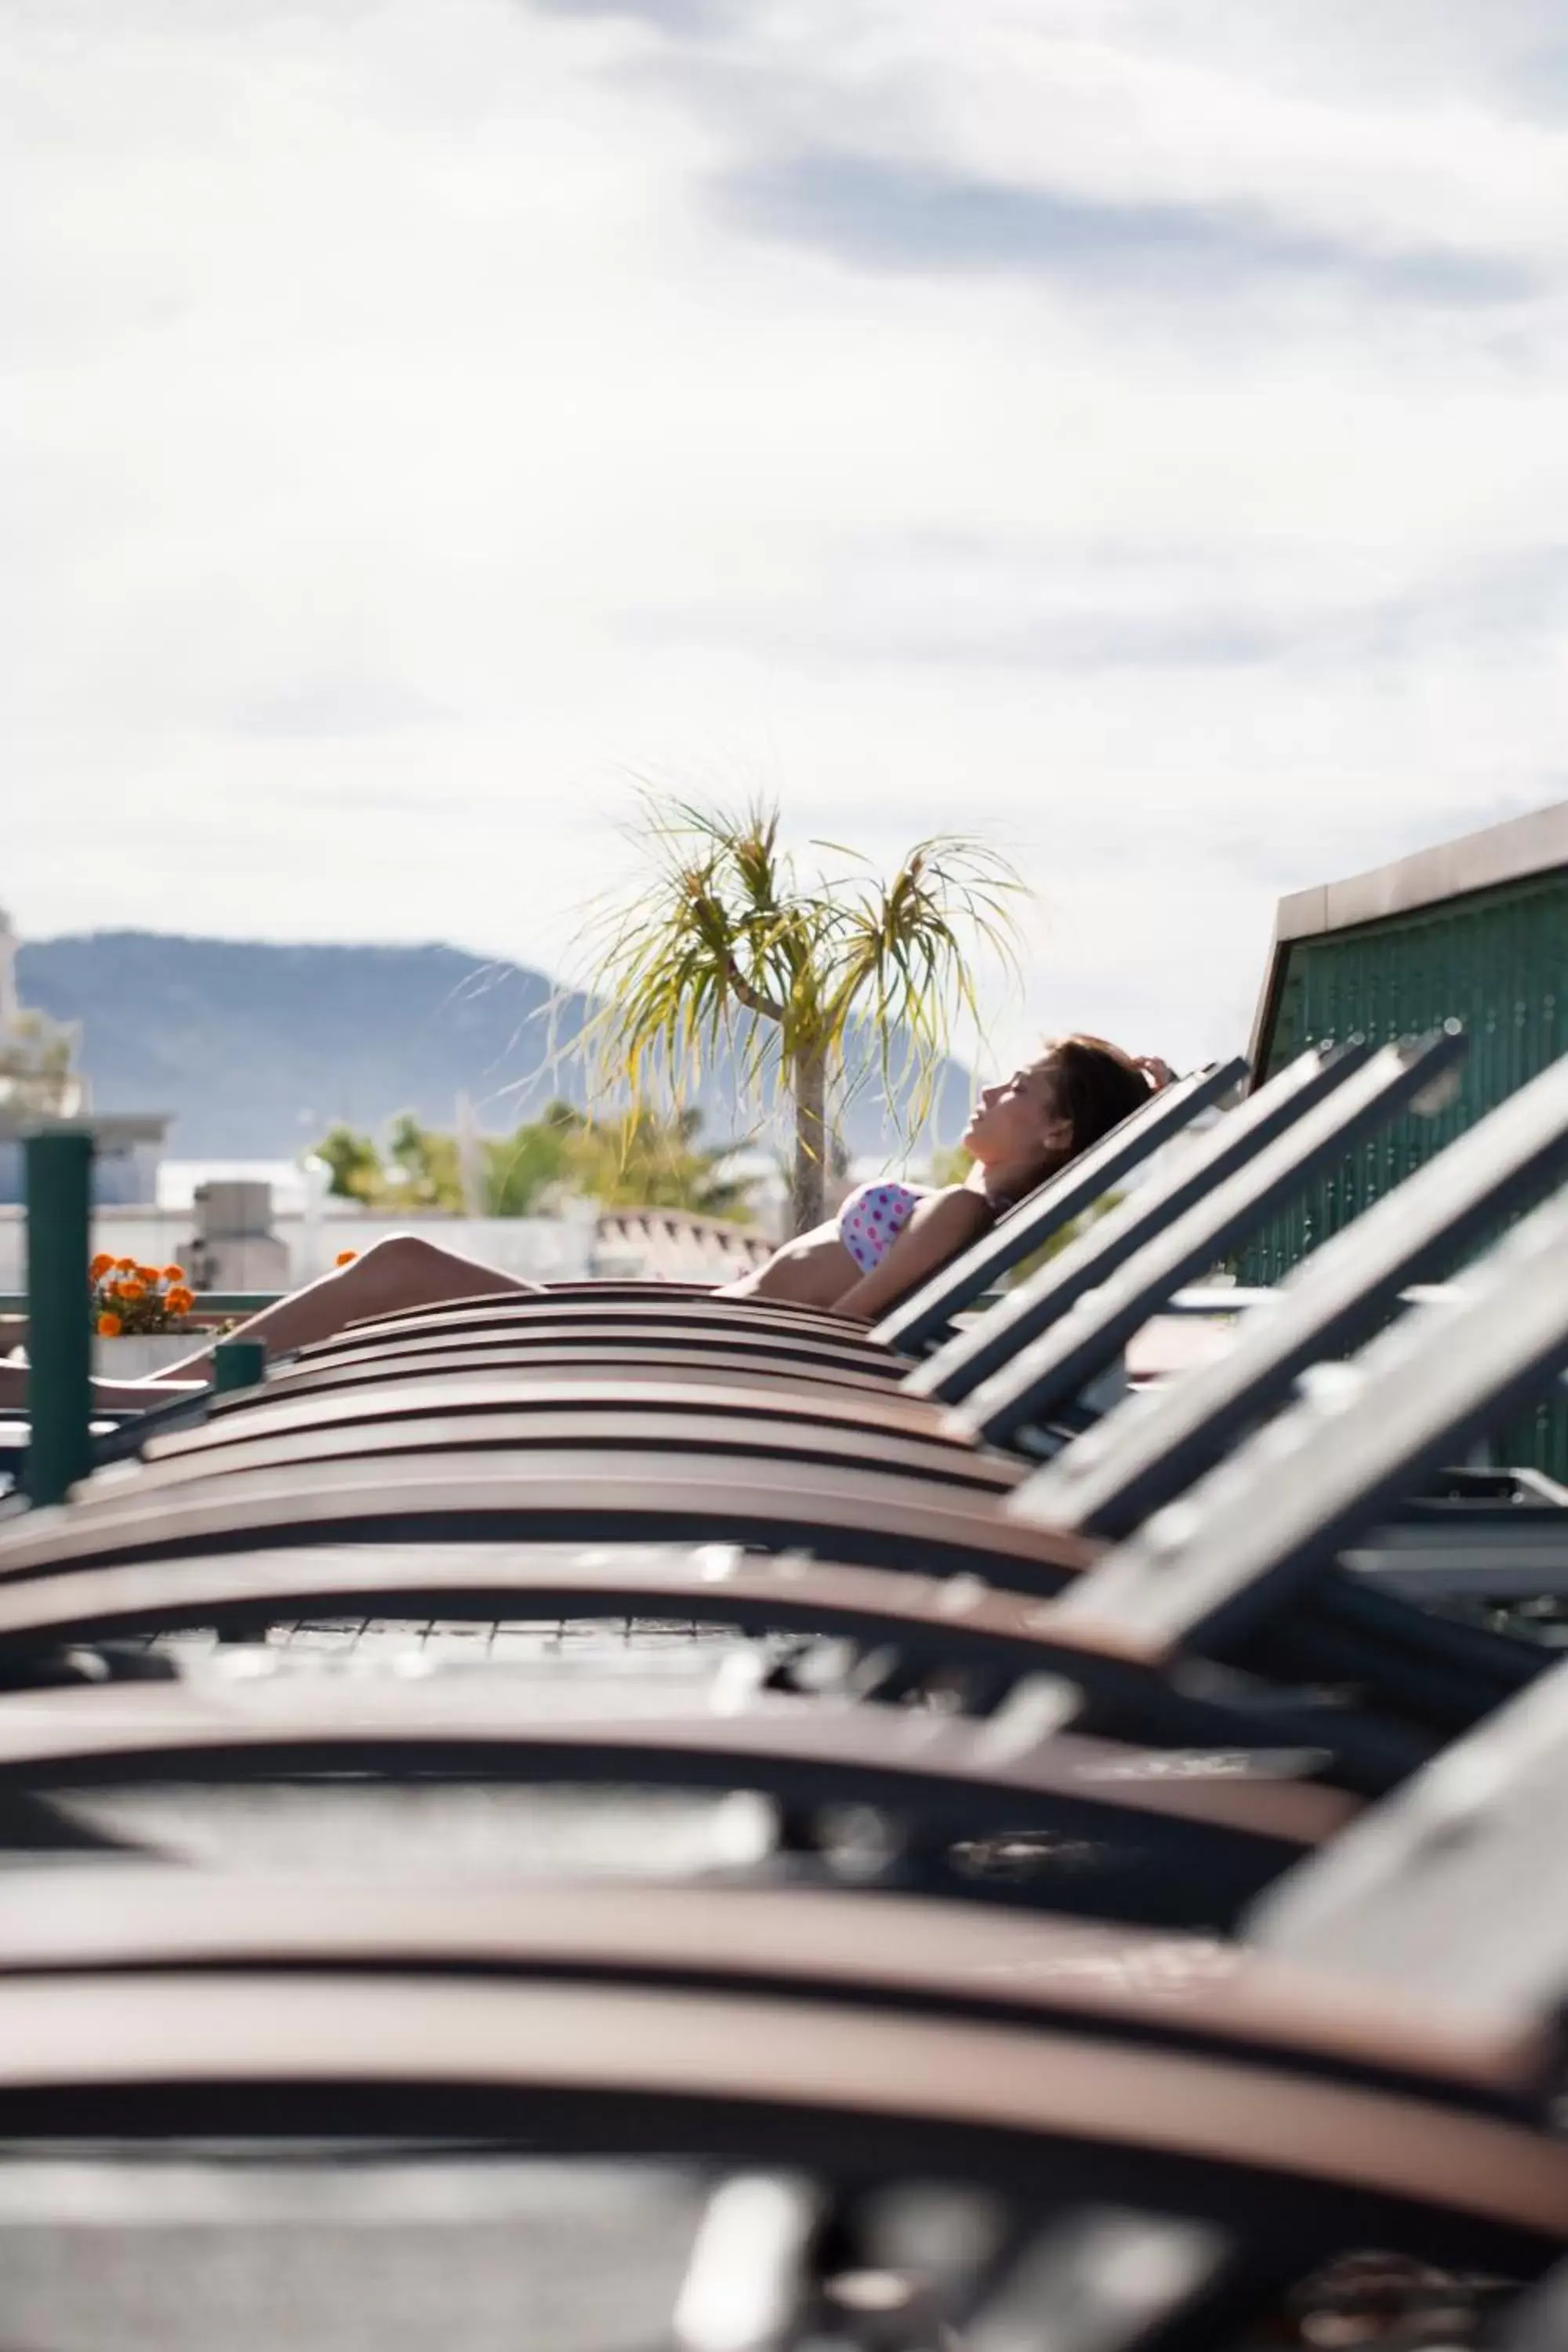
<point x="1139" y="607"/>
<point x="884" y="215"/>
<point x="330" y="706"/>
<point x="679" y="17"/>
<point x="416" y="437"/>
<point x="1511" y="53"/>
<point x="1397" y="138"/>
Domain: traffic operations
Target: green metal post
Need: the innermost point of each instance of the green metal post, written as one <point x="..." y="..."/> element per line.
<point x="238" y="1363"/>
<point x="59" y="1343"/>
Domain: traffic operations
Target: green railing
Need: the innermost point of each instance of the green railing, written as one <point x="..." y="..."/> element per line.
<point x="60" y="1341"/>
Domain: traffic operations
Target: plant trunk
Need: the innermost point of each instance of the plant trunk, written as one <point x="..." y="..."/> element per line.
<point x="808" y="1187"/>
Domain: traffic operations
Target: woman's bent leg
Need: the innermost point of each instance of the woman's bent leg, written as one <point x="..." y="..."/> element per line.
<point x="403" y="1270"/>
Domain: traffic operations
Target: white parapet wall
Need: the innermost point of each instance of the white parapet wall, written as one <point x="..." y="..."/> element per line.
<point x="535" y="1249"/>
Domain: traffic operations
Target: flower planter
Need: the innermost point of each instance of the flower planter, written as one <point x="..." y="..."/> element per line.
<point x="140" y="1353"/>
<point x="138" y="1316"/>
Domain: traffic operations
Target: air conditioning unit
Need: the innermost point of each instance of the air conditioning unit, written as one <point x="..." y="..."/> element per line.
<point x="234" y="1246"/>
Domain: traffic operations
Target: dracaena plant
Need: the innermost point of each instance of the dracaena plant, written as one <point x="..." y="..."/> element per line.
<point x="724" y="947"/>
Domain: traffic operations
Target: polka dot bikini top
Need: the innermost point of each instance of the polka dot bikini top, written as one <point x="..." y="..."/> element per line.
<point x="873" y="1217"/>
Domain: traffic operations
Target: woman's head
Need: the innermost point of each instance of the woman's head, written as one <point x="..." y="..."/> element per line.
<point x="1053" y="1108"/>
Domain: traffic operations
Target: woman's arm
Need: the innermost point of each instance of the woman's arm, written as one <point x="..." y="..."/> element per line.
<point x="940" y="1228"/>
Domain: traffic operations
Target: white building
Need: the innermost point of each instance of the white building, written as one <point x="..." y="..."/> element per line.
<point x="39" y="1080"/>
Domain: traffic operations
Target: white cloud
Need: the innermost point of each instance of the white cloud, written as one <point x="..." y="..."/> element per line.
<point x="419" y="443"/>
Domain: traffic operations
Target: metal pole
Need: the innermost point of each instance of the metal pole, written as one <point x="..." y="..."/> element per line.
<point x="238" y="1363"/>
<point x="60" y="1344"/>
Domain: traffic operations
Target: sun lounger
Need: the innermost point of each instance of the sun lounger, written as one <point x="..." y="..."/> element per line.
<point x="831" y="2069"/>
<point x="1047" y="1211"/>
<point x="1344" y="1107"/>
<point x="1155" y="1445"/>
<point x="1214" y="1579"/>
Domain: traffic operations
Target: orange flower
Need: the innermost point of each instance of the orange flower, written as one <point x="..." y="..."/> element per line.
<point x="174" y="1273"/>
<point x="179" y="1302"/>
<point x="347" y="1258"/>
<point x="125" y="1265"/>
<point x="131" y="1291"/>
<point x="149" y="1275"/>
<point x="108" y="1326"/>
<point x="101" y="1265"/>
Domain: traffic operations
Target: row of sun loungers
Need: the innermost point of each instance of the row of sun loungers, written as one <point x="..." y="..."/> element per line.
<point x="1108" y="1913"/>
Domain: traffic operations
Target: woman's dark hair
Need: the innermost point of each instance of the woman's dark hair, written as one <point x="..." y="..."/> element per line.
<point x="1097" y="1086"/>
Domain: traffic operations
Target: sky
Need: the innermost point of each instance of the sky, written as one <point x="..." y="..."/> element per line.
<point x="1129" y="430"/>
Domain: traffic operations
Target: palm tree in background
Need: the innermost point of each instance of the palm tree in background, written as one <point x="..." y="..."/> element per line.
<point x="723" y="949"/>
<point x="635" y="1161"/>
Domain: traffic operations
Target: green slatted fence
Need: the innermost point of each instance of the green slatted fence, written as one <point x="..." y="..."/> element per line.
<point x="1494" y="959"/>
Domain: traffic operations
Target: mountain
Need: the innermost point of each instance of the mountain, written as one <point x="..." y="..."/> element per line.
<point x="257" y="1050"/>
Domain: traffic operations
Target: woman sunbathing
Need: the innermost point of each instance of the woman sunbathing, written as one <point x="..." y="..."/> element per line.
<point x="889" y="1238"/>
<point x="886" y="1240"/>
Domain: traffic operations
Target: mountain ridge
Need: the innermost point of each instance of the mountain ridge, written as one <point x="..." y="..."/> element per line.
<point x="255" y="1049"/>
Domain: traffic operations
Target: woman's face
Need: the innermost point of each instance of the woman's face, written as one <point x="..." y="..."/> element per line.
<point x="1016" y="1121"/>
